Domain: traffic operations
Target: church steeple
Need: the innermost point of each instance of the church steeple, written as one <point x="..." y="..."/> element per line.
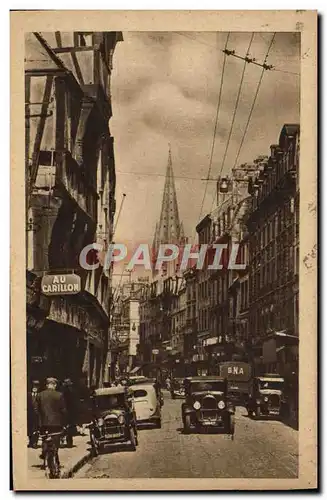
<point x="169" y="229"/>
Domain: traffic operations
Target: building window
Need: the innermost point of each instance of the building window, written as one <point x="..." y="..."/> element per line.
<point x="84" y="39"/>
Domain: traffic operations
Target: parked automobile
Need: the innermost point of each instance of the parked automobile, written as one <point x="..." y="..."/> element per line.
<point x="267" y="396"/>
<point x="136" y="379"/>
<point x="147" y="404"/>
<point x="207" y="405"/>
<point x="177" y="389"/>
<point x="114" y="418"/>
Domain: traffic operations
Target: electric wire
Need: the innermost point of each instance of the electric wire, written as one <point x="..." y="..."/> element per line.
<point x="215" y="127"/>
<point x="251" y="111"/>
<point x="233" y="119"/>
<point x="235" y="109"/>
<point x="145" y="174"/>
<point x="253" y="103"/>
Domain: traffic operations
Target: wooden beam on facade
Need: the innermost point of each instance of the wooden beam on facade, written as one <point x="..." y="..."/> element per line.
<point x="39" y="133"/>
<point x="50" y="51"/>
<point x="58" y="38"/>
<point x="77" y="68"/>
<point x="61" y="50"/>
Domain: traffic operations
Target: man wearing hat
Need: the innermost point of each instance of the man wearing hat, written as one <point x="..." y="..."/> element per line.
<point x="32" y="416"/>
<point x="71" y="408"/>
<point x="51" y="410"/>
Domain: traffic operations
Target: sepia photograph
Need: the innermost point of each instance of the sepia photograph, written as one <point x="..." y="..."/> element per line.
<point x="168" y="229"/>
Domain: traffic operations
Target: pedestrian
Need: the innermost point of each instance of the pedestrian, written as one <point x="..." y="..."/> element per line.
<point x="69" y="394"/>
<point x="168" y="383"/>
<point x="83" y="401"/>
<point x="52" y="413"/>
<point x="32" y="415"/>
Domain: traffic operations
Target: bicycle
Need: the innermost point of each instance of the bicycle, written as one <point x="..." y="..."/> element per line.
<point x="50" y="454"/>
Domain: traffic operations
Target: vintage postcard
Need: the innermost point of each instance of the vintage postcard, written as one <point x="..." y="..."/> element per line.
<point x="164" y="250"/>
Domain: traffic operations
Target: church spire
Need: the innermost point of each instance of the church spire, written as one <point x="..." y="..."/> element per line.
<point x="169" y="229"/>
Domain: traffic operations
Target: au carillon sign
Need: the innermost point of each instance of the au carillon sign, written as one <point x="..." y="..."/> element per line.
<point x="61" y="284"/>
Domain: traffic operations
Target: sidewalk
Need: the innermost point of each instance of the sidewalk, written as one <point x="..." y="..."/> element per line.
<point x="71" y="459"/>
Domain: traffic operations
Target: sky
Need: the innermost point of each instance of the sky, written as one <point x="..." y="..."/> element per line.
<point x="165" y="89"/>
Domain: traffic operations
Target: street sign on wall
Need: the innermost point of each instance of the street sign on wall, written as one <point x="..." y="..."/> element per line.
<point x="61" y="284"/>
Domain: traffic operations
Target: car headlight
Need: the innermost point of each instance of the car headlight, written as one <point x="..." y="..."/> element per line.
<point x="100" y="422"/>
<point x="121" y="419"/>
<point x="197" y="405"/>
<point x="221" y="405"/>
<point x="266" y="399"/>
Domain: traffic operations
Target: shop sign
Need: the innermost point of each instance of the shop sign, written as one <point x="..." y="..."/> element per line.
<point x="61" y="284"/>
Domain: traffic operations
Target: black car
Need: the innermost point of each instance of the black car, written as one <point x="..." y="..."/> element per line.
<point x="177" y="389"/>
<point x="207" y="405"/>
<point x="267" y="396"/>
<point x="114" y="418"/>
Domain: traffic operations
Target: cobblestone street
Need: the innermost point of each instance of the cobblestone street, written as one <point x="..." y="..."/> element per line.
<point x="261" y="449"/>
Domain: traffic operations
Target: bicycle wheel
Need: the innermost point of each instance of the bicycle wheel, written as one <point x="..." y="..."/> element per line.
<point x="53" y="466"/>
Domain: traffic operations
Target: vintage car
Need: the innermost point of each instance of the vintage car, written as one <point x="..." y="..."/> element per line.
<point x="207" y="405"/>
<point x="147" y="404"/>
<point x="114" y="419"/>
<point x="152" y="381"/>
<point x="135" y="379"/>
<point x="266" y="396"/>
<point x="177" y="389"/>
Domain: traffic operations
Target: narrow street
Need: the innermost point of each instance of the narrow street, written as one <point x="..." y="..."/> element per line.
<point x="261" y="449"/>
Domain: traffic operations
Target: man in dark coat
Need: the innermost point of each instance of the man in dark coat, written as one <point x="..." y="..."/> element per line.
<point x="71" y="407"/>
<point x="32" y="415"/>
<point x="52" y="411"/>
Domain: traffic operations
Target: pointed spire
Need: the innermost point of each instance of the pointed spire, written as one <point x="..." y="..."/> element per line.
<point x="169" y="228"/>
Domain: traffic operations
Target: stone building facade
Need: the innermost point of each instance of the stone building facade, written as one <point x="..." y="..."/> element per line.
<point x="274" y="255"/>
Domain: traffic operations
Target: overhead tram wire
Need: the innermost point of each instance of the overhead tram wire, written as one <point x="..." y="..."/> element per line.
<point x="234" y="116"/>
<point x="253" y="103"/>
<point x="194" y="39"/>
<point x="215" y="129"/>
<point x="253" y="61"/>
<point x="145" y="174"/>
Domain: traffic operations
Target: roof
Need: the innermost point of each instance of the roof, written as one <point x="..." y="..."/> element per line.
<point x="289" y="129"/>
<point x="145" y="385"/>
<point x="107" y="391"/>
<point x="205" y="379"/>
<point x="271" y="379"/>
<point x="142" y="381"/>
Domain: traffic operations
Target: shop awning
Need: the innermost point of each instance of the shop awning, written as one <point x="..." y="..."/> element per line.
<point x="135" y="370"/>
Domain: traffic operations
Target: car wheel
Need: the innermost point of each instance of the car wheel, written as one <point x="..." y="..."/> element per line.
<point x="158" y="424"/>
<point x="187" y="424"/>
<point x="258" y="412"/>
<point x="133" y="439"/>
<point x="173" y="396"/>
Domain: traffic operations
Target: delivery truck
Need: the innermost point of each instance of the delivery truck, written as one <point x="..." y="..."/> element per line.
<point x="238" y="375"/>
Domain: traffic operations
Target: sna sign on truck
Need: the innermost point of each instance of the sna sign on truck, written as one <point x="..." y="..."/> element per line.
<point x="235" y="370"/>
